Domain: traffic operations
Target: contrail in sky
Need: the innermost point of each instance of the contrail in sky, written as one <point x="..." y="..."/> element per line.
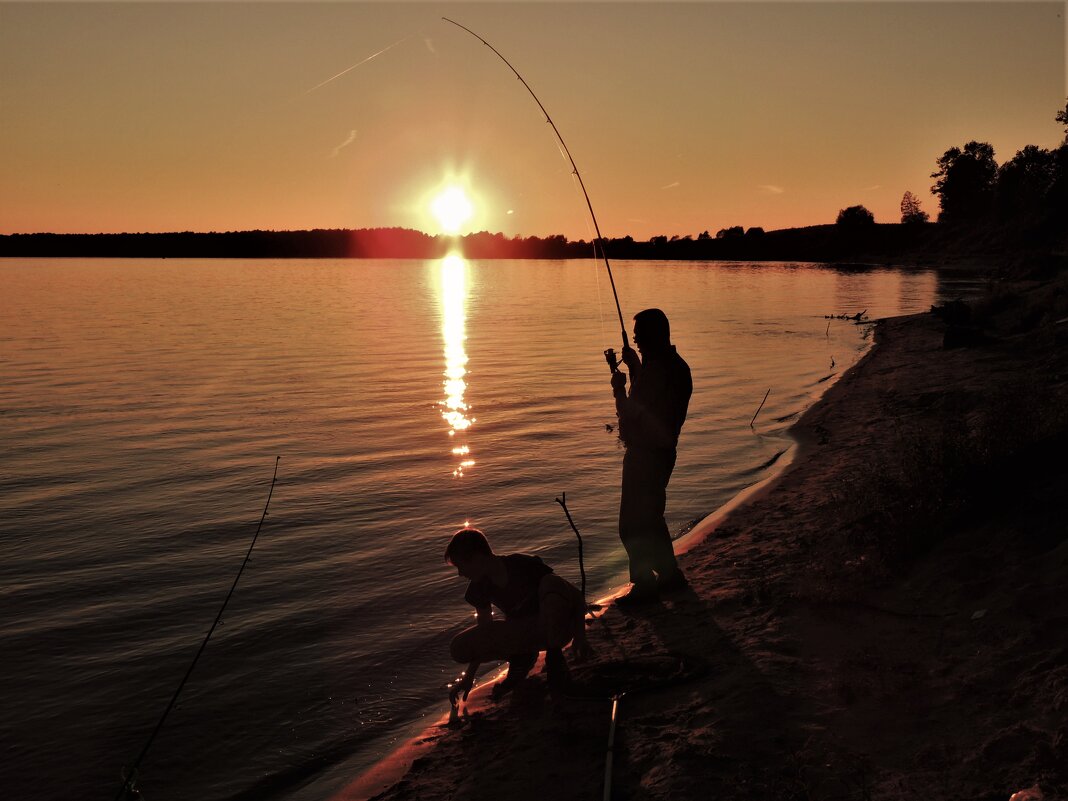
<point x="346" y="143"/>
<point x="358" y="63"/>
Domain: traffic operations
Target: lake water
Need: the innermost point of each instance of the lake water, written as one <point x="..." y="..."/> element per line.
<point x="143" y="402"/>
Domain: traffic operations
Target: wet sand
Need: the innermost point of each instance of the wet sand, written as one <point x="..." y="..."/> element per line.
<point x="887" y="620"/>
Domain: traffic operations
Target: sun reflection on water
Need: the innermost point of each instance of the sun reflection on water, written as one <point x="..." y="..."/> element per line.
<point x="454" y="408"/>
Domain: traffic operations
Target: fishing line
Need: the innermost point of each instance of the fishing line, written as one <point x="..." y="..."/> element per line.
<point x="130" y="776"/>
<point x="574" y="168"/>
<point x="600" y="302"/>
<point x="596" y="273"/>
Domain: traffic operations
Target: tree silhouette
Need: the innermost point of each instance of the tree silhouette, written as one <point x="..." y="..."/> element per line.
<point x="911" y="213"/>
<point x="965" y="183"/>
<point x="855" y="216"/>
<point x="1024" y="183"/>
<point x="1057" y="197"/>
<point x="1062" y="118"/>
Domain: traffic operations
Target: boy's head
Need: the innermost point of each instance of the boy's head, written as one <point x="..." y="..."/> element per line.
<point x="467" y="549"/>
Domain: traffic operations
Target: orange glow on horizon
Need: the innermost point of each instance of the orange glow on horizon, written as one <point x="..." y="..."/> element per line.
<point x="801" y="109"/>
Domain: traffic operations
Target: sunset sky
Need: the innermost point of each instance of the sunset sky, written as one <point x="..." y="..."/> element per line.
<point x="682" y="117"/>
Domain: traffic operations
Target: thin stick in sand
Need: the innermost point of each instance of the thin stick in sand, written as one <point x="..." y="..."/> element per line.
<point x="761" y="406"/>
<point x="562" y="500"/>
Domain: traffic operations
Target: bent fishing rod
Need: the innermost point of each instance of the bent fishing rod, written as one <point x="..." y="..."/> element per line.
<point x="609" y="355"/>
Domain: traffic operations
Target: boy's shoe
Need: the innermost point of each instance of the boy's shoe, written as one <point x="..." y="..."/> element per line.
<point x="519" y="666"/>
<point x="505" y="686"/>
<point x="557" y="673"/>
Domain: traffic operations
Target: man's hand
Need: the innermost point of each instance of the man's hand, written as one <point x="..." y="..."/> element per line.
<point x="631" y="359"/>
<point x="619" y="381"/>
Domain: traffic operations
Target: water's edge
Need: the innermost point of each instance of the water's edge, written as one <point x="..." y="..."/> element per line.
<point x="391" y="769"/>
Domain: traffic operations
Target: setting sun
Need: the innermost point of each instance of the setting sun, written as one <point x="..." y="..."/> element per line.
<point x="452" y="208"/>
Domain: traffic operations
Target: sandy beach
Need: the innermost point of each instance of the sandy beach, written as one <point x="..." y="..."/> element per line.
<point x="886" y="621"/>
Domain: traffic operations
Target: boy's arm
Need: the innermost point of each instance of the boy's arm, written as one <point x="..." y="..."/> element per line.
<point x="462" y="687"/>
<point x="483" y="617"/>
<point x="619" y="389"/>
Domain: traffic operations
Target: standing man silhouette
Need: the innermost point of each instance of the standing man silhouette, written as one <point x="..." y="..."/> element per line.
<point x="650" y="419"/>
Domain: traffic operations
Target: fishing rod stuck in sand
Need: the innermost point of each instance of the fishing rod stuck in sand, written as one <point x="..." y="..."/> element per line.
<point x="129" y="775"/>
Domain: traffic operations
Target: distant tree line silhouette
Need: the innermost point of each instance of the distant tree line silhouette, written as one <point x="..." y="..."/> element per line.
<point x="319" y="243"/>
<point x="815" y="243"/>
<point x="983" y="206"/>
<point x="383" y="243"/>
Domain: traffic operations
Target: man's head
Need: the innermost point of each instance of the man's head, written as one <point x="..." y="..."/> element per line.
<point x="469" y="552"/>
<point x="652" y="332"/>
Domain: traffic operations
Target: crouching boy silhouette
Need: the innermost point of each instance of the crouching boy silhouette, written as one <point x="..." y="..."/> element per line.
<point x="542" y="612"/>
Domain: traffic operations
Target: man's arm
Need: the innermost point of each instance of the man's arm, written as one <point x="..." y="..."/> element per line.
<point x="633" y="362"/>
<point x="654" y="418"/>
<point x="619" y="382"/>
<point x="619" y="392"/>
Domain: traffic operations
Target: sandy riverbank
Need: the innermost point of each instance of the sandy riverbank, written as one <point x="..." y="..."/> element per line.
<point x="887" y="621"/>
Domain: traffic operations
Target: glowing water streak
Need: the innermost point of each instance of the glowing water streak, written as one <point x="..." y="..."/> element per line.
<point x="453" y="278"/>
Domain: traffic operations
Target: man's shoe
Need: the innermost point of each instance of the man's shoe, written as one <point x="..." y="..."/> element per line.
<point x="673" y="582"/>
<point x="639" y="595"/>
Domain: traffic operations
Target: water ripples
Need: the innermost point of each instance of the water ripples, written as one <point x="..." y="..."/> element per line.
<point x="143" y="403"/>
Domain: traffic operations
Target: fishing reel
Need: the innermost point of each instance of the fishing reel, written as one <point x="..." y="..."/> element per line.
<point x="610" y="357"/>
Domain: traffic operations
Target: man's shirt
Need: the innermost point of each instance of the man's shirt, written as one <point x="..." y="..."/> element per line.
<point x="659" y="397"/>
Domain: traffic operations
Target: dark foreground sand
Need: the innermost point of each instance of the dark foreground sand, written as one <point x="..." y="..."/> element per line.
<point x="888" y="621"/>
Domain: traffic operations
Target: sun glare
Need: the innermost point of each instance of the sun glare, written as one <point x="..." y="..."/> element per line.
<point x="452" y="208"/>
